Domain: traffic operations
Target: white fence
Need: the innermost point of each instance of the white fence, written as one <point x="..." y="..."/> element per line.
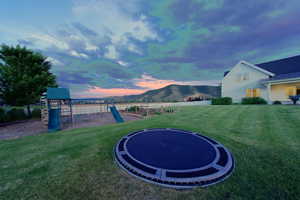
<point x="160" y="105"/>
<point x="98" y="108"/>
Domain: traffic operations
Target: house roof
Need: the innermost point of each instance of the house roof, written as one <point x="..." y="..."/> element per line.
<point x="225" y="73"/>
<point x="58" y="93"/>
<point x="295" y="75"/>
<point x="257" y="68"/>
<point x="283" y="66"/>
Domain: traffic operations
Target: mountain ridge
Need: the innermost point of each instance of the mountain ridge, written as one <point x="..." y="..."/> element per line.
<point x="171" y="93"/>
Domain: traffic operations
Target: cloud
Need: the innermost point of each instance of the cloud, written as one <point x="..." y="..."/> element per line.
<point x="120" y="21"/>
<point x="84" y="30"/>
<point x="67" y="79"/>
<point x="54" y="61"/>
<point x="142" y="45"/>
<point x="79" y="55"/>
<point x="175" y="60"/>
<point x="46" y="40"/>
<point x="99" y="28"/>
<point x="151" y="83"/>
<point x="106" y="92"/>
<point x="25" y="42"/>
<point x="125" y="64"/>
<point x="216" y="35"/>
<point x="111" y="52"/>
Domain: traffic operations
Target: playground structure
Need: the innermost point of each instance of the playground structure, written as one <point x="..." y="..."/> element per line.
<point x="56" y="108"/>
<point x="59" y="110"/>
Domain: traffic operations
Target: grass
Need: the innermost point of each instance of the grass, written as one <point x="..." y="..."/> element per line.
<point x="78" y="164"/>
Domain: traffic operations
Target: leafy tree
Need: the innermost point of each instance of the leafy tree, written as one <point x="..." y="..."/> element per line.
<point x="24" y="76"/>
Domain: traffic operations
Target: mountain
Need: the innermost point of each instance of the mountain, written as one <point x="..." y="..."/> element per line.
<point x="171" y="93"/>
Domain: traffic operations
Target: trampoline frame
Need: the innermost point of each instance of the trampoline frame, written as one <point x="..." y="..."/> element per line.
<point x="160" y="177"/>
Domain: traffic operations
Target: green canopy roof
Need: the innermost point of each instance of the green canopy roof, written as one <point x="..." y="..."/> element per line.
<point x="58" y="93"/>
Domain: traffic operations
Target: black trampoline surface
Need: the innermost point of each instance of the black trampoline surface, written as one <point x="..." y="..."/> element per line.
<point x="174" y="158"/>
<point x="171" y="149"/>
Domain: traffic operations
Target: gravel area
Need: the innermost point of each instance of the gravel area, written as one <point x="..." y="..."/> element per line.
<point x="35" y="127"/>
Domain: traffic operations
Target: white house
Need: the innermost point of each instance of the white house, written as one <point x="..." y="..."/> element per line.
<point x="273" y="81"/>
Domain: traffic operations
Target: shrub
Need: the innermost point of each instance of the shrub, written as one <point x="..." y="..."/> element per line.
<point x="144" y="114"/>
<point x="254" y="100"/>
<point x="16" y="114"/>
<point x="36" y="113"/>
<point x="169" y="110"/>
<point x="294" y="99"/>
<point x="133" y="109"/>
<point x="3" y="117"/>
<point x="277" y="102"/>
<point x="222" y="101"/>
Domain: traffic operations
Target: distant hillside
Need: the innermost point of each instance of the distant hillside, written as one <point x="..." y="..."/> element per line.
<point x="171" y="93"/>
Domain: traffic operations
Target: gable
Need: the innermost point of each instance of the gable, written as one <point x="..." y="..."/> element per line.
<point x="245" y="67"/>
<point x="282" y="66"/>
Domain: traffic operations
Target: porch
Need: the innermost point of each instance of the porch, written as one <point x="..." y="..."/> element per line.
<point x="281" y="90"/>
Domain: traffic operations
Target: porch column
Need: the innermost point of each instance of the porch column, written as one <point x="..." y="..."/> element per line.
<point x="269" y="93"/>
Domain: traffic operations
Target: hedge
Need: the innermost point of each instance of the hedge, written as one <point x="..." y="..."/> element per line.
<point x="133" y="109"/>
<point x="3" y="117"/>
<point x="16" y="114"/>
<point x="36" y="113"/>
<point x="254" y="100"/>
<point x="222" y="101"/>
<point x="277" y="102"/>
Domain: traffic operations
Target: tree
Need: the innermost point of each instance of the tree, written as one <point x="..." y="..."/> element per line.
<point x="24" y="76"/>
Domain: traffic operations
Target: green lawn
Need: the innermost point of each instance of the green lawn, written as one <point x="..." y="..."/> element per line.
<point x="78" y="164"/>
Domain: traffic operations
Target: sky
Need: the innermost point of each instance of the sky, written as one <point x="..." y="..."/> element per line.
<point x="104" y="48"/>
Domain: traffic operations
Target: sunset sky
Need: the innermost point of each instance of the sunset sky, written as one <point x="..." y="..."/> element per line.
<point x="116" y="47"/>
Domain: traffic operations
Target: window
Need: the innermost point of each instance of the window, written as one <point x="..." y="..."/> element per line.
<point x="253" y="92"/>
<point x="256" y="92"/>
<point x="239" y="77"/>
<point x="291" y="91"/>
<point x="242" y="77"/>
<point x="245" y="76"/>
<point x="249" y="93"/>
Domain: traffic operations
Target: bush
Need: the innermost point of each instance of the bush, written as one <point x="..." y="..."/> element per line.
<point x="222" y="101"/>
<point x="3" y="117"/>
<point x="16" y="114"/>
<point x="169" y="110"/>
<point x="133" y="109"/>
<point x="254" y="100"/>
<point x="36" y="113"/>
<point x="294" y="99"/>
<point x="277" y="102"/>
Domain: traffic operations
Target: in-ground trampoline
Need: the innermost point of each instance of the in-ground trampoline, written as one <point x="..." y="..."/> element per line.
<point x="174" y="158"/>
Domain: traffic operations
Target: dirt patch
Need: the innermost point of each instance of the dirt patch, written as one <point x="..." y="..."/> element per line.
<point x="35" y="127"/>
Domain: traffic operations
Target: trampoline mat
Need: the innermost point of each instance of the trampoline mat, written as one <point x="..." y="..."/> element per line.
<point x="171" y="149"/>
<point x="174" y="158"/>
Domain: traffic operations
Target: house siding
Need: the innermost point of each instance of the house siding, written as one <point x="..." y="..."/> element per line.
<point x="236" y="88"/>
